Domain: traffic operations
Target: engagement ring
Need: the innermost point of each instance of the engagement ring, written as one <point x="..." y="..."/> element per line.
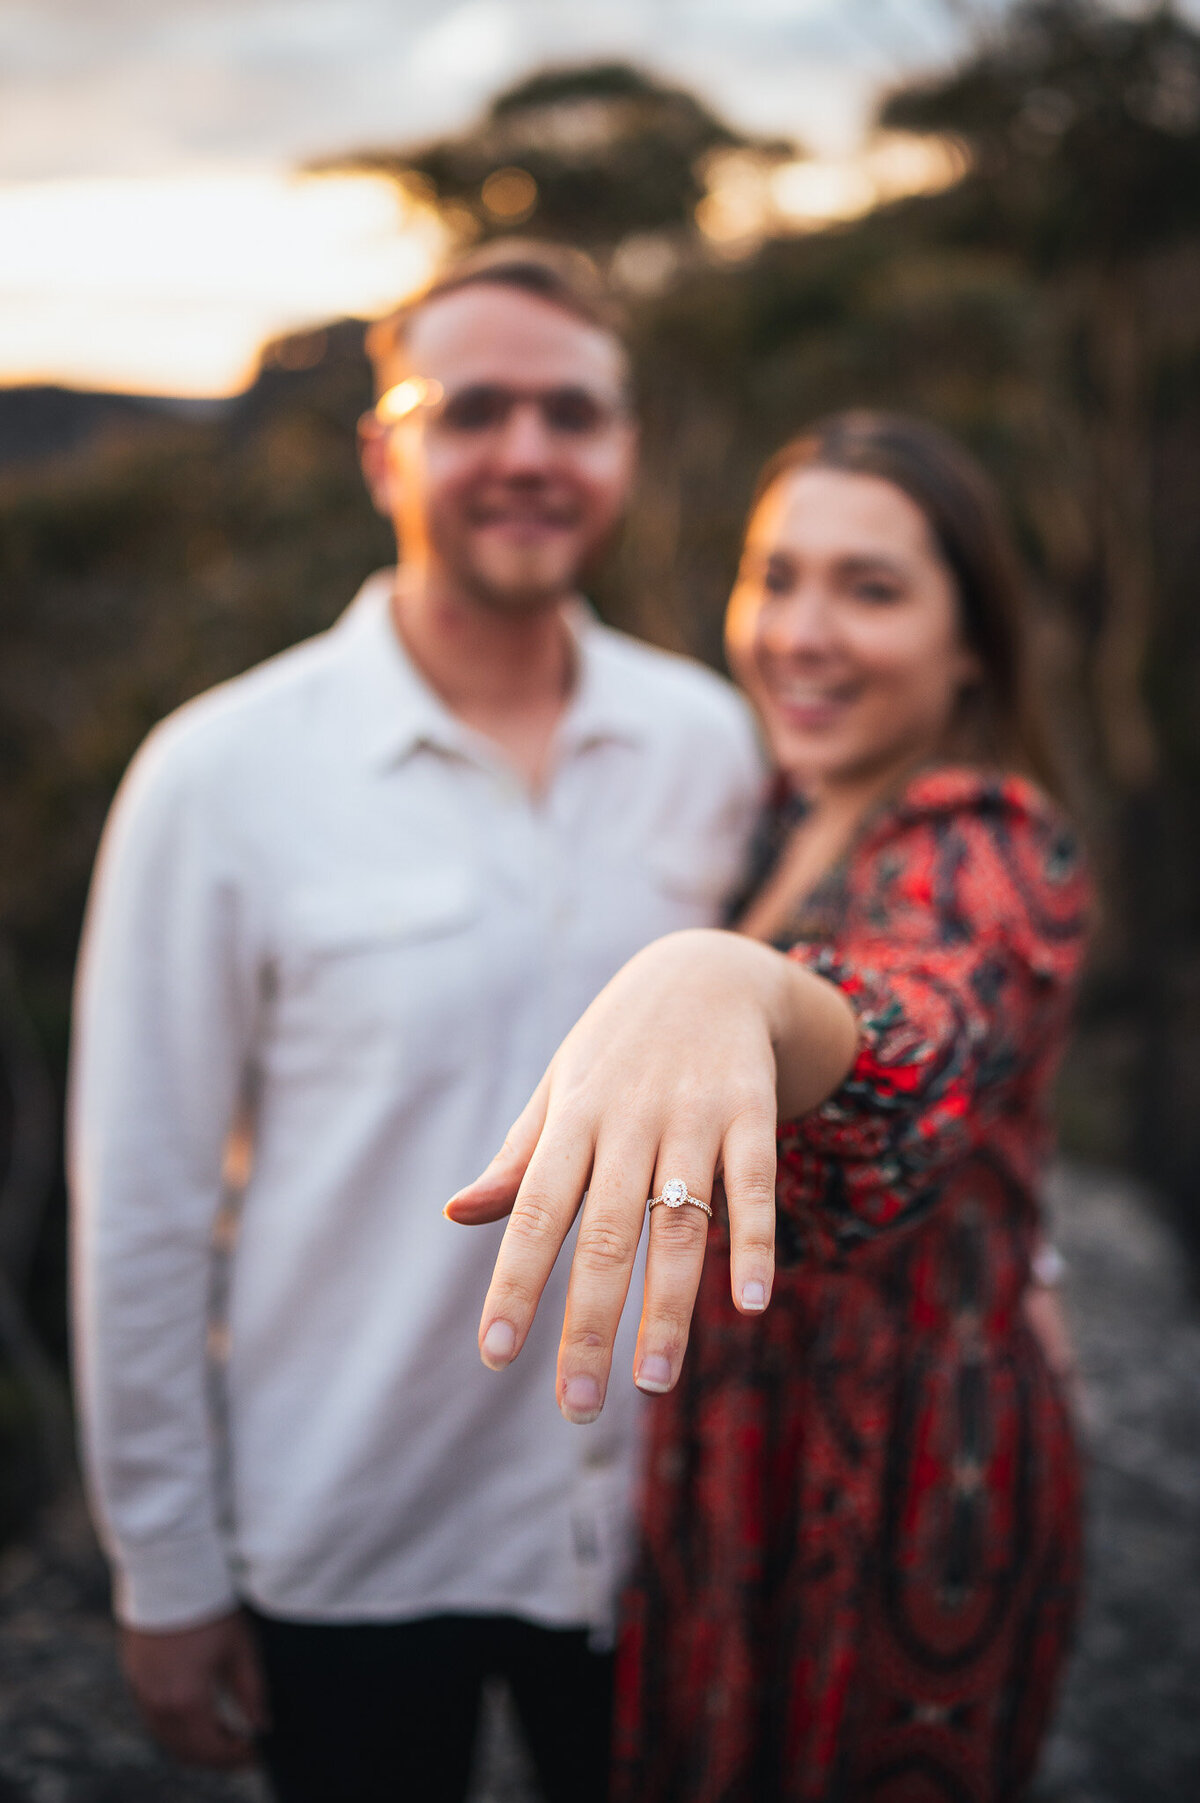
<point x="675" y="1194"/>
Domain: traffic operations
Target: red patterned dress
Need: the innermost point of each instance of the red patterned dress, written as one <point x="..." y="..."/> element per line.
<point x="861" y="1532"/>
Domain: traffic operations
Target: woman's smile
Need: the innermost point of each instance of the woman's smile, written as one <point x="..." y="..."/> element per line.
<point x="811" y="707"/>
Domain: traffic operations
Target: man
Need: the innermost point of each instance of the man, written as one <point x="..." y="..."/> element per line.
<point x="348" y="904"/>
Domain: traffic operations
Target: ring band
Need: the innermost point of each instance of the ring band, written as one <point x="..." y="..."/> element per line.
<point x="676" y="1194"/>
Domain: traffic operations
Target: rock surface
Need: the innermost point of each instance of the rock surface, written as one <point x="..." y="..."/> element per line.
<point x="1128" y="1728"/>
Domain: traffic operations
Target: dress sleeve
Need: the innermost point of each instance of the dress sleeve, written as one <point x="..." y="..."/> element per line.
<point x="961" y="945"/>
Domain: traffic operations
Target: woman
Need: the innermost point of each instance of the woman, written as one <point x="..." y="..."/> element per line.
<point x="860" y="1531"/>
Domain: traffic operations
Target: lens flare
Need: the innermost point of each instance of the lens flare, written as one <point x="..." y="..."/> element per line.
<point x="398" y="402"/>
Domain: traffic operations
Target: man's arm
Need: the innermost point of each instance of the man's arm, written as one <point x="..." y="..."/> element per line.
<point x="163" y="1020"/>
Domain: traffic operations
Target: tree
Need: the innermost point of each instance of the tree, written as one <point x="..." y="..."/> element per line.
<point x="1083" y="128"/>
<point x="1084" y="134"/>
<point x="594" y="154"/>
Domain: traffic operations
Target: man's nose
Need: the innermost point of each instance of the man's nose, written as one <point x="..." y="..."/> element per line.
<point x="524" y="442"/>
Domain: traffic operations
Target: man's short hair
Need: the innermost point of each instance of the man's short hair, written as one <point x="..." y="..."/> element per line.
<point x="558" y="273"/>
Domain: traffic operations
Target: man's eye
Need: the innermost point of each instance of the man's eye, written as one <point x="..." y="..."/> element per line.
<point x="573" y="410"/>
<point x="477" y="409"/>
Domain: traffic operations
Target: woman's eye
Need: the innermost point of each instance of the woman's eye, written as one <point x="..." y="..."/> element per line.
<point x="879" y="592"/>
<point x="776" y="579"/>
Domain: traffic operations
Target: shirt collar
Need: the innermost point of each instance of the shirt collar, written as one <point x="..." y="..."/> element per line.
<point x="392" y="711"/>
<point x="601" y="707"/>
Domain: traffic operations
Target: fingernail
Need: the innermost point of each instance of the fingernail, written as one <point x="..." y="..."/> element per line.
<point x="581" y="1398"/>
<point x="498" y="1343"/>
<point x="754" y="1294"/>
<point x="654" y="1373"/>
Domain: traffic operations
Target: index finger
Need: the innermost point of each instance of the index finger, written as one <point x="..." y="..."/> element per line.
<point x="490" y="1196"/>
<point x="547" y="1203"/>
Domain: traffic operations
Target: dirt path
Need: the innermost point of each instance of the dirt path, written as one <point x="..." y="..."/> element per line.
<point x="1129" y="1726"/>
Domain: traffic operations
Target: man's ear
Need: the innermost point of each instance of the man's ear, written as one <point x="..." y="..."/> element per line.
<point x="376" y="466"/>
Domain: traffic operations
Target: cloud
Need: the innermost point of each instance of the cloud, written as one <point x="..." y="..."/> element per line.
<point x="143" y="86"/>
<point x="476" y="45"/>
<point x="147" y="86"/>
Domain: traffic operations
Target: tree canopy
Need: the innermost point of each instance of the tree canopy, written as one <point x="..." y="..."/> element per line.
<point x="592" y="154"/>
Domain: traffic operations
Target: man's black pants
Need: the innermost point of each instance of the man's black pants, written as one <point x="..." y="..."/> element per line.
<point x="388" y="1712"/>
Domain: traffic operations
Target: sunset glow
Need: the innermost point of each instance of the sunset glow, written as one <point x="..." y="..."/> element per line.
<point x="172" y="285"/>
<point x="749" y="196"/>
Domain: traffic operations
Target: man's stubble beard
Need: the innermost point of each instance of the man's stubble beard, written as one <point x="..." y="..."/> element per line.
<point x="514" y="597"/>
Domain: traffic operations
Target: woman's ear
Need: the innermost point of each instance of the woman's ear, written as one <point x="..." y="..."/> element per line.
<point x="971" y="673"/>
<point x="376" y="465"/>
<point x="972" y="669"/>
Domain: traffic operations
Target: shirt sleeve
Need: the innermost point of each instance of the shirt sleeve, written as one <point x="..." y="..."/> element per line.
<point x="162" y="1029"/>
<point x="962" y="945"/>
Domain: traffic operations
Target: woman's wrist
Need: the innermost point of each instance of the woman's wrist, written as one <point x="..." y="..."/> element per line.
<point x="816" y="1041"/>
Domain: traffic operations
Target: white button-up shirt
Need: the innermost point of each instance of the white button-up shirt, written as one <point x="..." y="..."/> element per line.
<point x="328" y="909"/>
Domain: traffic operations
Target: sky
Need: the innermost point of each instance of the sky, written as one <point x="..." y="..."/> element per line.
<point x="128" y="87"/>
<point x="153" y="228"/>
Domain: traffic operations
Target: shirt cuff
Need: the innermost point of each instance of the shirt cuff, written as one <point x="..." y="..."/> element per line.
<point x="170" y="1584"/>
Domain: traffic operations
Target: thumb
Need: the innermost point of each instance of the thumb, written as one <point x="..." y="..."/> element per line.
<point x="491" y="1196"/>
<point x="243" y="1675"/>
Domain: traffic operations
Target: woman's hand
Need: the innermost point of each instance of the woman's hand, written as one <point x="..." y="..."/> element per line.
<point x="677" y="1070"/>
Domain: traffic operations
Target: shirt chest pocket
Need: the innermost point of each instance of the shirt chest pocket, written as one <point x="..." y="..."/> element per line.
<point x="352" y="918"/>
<point x="380" y="969"/>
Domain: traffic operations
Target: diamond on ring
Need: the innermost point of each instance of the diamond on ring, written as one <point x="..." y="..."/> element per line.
<point x="675" y="1194"/>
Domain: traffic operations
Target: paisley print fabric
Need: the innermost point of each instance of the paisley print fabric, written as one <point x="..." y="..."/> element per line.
<point x="861" y="1522"/>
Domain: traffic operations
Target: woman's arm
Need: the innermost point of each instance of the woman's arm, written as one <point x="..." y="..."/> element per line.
<point x="959" y="948"/>
<point x="963" y="932"/>
<point x="679" y="1069"/>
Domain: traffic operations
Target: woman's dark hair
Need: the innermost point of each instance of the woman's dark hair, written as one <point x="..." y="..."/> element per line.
<point x="998" y="722"/>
